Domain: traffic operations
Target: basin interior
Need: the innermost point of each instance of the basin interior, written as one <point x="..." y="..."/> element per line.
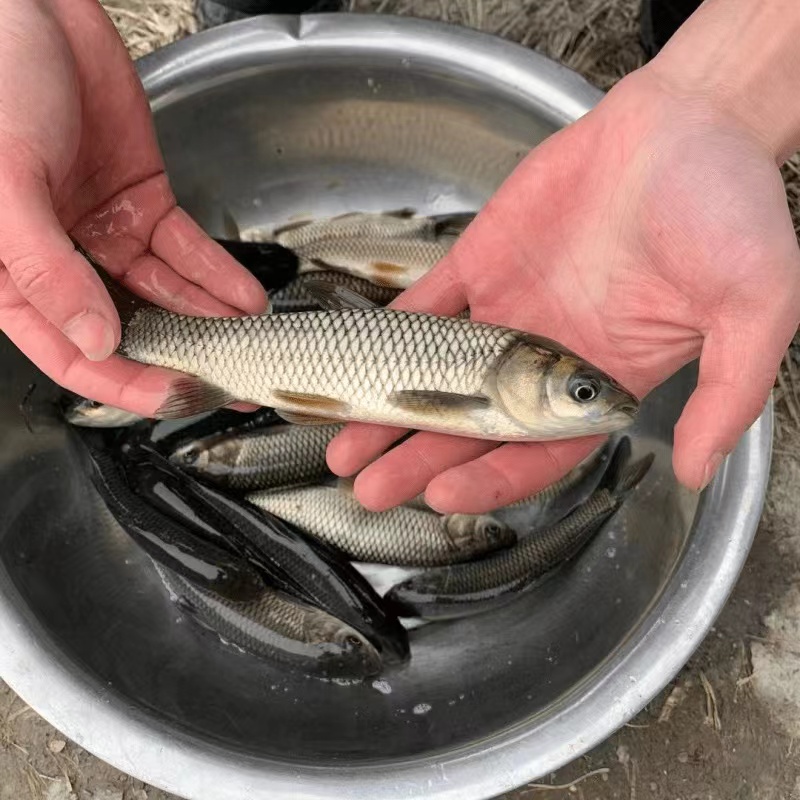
<point x="263" y="146"/>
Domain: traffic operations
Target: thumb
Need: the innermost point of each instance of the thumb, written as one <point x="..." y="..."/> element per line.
<point x="48" y="272"/>
<point x="738" y="365"/>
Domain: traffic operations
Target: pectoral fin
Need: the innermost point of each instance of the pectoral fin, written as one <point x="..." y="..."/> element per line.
<point x="191" y="396"/>
<point x="422" y="401"/>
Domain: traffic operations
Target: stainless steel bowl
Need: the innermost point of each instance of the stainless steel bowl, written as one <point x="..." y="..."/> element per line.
<point x="264" y="120"/>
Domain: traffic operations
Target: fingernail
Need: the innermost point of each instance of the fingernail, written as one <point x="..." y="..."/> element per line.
<point x="92" y="335"/>
<point x="712" y="466"/>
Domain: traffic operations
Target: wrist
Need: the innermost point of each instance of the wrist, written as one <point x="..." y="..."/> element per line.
<point x="740" y="62"/>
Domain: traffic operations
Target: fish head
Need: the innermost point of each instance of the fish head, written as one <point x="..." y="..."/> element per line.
<point x="478" y="533"/>
<point x="350" y="647"/>
<point x="192" y="456"/>
<point x="546" y="388"/>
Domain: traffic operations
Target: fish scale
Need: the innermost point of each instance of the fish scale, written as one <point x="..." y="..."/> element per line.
<point x="348" y="356"/>
<point x="273" y="624"/>
<point x="278" y="456"/>
<point x="453" y="376"/>
<point x="402" y="536"/>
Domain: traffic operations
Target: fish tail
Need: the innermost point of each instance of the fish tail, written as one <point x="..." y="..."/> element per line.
<point x="125" y="301"/>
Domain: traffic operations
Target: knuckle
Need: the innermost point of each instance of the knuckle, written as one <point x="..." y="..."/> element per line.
<point x="30" y="274"/>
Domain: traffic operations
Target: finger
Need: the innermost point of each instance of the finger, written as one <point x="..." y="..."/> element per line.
<point x="119" y="234"/>
<point x="358" y="444"/>
<point x="125" y="384"/>
<point x="46" y="270"/>
<point x="405" y="471"/>
<point x="507" y="474"/>
<point x="738" y="365"/>
<point x="191" y="252"/>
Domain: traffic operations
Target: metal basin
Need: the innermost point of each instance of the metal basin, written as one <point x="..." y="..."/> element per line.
<point x="264" y="120"/>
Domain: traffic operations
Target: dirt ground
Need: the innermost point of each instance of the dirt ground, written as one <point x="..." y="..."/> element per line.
<point x="725" y="729"/>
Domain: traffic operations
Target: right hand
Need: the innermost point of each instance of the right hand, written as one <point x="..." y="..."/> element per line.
<point x="79" y="156"/>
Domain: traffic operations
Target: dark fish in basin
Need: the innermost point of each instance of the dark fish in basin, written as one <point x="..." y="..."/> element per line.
<point x="281" y="628"/>
<point x="465" y="589"/>
<point x="271" y="264"/>
<point x="204" y="562"/>
<point x="297" y="297"/>
<point x="287" y="559"/>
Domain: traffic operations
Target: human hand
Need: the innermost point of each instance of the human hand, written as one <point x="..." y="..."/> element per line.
<point x="652" y="231"/>
<point x="78" y="154"/>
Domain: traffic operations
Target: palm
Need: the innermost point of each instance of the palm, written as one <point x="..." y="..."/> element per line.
<point x="636" y="250"/>
<point x="83" y="158"/>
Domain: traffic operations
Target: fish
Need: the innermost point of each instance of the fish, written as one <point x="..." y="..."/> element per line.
<point x="217" y="423"/>
<point x="392" y="249"/>
<point x="545" y="508"/>
<point x="272" y="265"/>
<point x="286" y="558"/>
<point x="275" y="626"/>
<point x="284" y="455"/>
<point x="203" y="562"/>
<point x="92" y="414"/>
<point x="400" y="536"/>
<point x="296" y="297"/>
<point x="466" y="589"/>
<point x="378" y="365"/>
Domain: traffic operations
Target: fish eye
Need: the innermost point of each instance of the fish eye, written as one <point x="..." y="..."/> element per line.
<point x="584" y="390"/>
<point x="352" y="641"/>
<point x="493" y="530"/>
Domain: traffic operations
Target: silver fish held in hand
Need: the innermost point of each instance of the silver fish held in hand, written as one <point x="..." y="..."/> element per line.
<point x="376" y="365"/>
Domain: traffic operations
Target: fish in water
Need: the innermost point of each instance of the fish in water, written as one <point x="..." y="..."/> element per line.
<point x="376" y="365"/>
<point x="466" y="589"/>
<point x="392" y="249"/>
<point x="296" y="297"/>
<point x="279" y="627"/>
<point x="402" y="536"/>
<point x="90" y="414"/>
<point x="280" y="455"/>
<point x="178" y="547"/>
<point x="286" y="558"/>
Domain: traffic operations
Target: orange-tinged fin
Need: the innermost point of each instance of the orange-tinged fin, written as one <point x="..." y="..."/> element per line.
<point x="413" y="400"/>
<point x="190" y="396"/>
<point x="387" y="268"/>
<point x="314" y="409"/>
<point x="303" y="419"/>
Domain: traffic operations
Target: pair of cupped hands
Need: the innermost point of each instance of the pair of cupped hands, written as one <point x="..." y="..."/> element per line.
<point x="653" y="230"/>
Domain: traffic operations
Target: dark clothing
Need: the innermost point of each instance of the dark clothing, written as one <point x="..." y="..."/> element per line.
<point x="659" y="18"/>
